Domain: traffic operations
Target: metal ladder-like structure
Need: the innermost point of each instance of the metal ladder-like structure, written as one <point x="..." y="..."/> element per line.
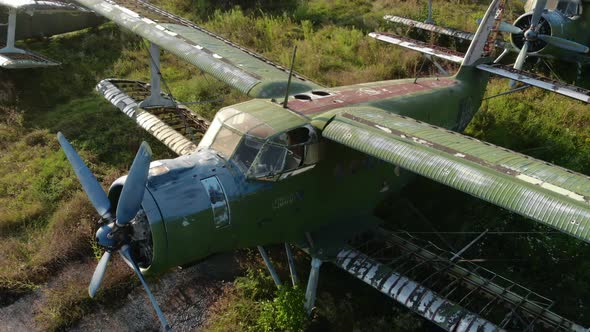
<point x="454" y="294"/>
<point x="177" y="127"/>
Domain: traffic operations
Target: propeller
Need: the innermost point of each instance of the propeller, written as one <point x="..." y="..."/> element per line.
<point x="115" y="236"/>
<point x="533" y="33"/>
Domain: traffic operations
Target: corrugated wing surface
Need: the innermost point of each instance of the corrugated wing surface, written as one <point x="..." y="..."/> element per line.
<point x="541" y="191"/>
<point x="235" y="66"/>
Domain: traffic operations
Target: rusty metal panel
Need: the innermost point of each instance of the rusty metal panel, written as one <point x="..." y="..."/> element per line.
<point x="416" y="45"/>
<point x="561" y="88"/>
<point x="430" y="27"/>
<point x="357" y="94"/>
<point x="538" y="190"/>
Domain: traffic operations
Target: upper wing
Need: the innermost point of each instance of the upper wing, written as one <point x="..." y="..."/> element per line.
<point x="541" y="191"/>
<point x="236" y="66"/>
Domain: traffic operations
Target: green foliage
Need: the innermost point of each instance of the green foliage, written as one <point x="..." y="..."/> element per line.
<point x="286" y="312"/>
<point x="46" y="223"/>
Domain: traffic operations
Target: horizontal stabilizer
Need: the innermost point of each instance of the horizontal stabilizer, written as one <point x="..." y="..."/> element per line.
<point x="422" y="47"/>
<point x="20" y="59"/>
<point x="561" y="88"/>
<point x="546" y="193"/>
<point x="430" y="27"/>
<point x="177" y="127"/>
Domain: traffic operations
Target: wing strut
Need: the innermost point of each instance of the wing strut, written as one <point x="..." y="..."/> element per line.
<point x="13" y="57"/>
<point x="155" y="99"/>
<point x="10" y="38"/>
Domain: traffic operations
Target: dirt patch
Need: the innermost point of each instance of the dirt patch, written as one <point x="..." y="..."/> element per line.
<point x="184" y="296"/>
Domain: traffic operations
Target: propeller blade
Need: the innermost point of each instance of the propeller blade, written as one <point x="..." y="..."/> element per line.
<point x="126" y="254"/>
<point x="537" y="12"/>
<point x="134" y="188"/>
<point x="564" y="44"/>
<point x="521" y="56"/>
<point x="99" y="274"/>
<point x="506" y="27"/>
<point x="92" y="187"/>
<point x="509" y="28"/>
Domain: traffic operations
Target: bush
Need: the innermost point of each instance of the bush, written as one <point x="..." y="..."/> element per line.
<point x="286" y="312"/>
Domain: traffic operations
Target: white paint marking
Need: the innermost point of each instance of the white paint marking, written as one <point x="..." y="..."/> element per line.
<point x="387" y="130"/>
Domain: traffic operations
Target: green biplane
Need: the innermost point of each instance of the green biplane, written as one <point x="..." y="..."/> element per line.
<point x="304" y="164"/>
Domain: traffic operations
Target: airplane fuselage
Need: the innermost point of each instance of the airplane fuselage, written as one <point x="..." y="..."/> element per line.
<point x="207" y="202"/>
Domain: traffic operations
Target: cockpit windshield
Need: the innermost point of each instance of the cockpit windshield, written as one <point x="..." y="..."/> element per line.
<point x="257" y="148"/>
<point x="228" y="128"/>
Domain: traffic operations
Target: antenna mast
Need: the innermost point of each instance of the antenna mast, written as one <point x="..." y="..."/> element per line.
<point x="290" y="76"/>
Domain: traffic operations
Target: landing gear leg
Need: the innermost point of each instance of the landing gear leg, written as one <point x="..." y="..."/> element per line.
<point x="270" y="267"/>
<point x="291" y="261"/>
<point x="312" y="284"/>
<point x="155" y="99"/>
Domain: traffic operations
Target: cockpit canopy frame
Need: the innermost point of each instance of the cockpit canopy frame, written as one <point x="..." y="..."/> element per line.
<point x="256" y="148"/>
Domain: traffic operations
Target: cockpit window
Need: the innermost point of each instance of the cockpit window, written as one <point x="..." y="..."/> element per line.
<point x="286" y="152"/>
<point x="270" y="162"/>
<point x="226" y="141"/>
<point x="569" y="8"/>
<point x="246" y="152"/>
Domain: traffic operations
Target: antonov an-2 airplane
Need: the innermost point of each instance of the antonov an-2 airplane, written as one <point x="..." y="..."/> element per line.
<point x="304" y="164"/>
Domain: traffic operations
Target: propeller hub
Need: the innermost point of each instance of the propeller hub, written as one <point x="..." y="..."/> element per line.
<point x="530" y="33"/>
<point x="105" y="238"/>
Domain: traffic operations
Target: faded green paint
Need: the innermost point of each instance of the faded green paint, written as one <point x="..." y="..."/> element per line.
<point x="239" y="68"/>
<point x="358" y="160"/>
<point x="48" y="22"/>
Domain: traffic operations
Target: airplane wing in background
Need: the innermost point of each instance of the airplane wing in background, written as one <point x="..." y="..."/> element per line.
<point x="241" y="69"/>
<point x="430" y="27"/>
<point x="419" y="46"/>
<point x="546" y="193"/>
<point x="561" y="88"/>
<point x="22" y="19"/>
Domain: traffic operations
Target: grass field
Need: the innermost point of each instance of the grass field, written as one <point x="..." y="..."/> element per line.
<point x="47" y="224"/>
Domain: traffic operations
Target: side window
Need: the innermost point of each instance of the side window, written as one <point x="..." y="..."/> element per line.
<point x="270" y="161"/>
<point x="246" y="152"/>
<point x="289" y="152"/>
<point x="218" y="200"/>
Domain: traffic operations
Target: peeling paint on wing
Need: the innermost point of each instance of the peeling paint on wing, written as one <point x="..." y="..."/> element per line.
<point x="467" y="170"/>
<point x="385" y="129"/>
<point x="426" y="303"/>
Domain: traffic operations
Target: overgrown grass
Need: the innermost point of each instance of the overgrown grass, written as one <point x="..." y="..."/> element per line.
<point x="47" y="224"/>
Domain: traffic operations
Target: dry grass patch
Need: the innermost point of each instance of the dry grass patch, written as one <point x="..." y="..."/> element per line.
<point x="65" y="301"/>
